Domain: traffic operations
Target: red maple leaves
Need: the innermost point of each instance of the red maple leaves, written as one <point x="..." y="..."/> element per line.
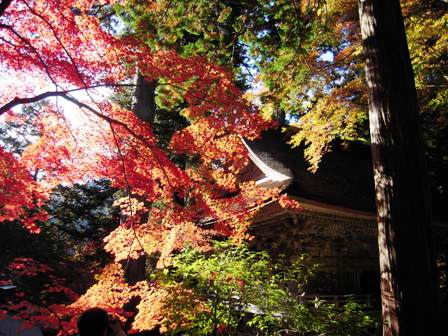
<point x="64" y="48"/>
<point x="37" y="290"/>
<point x="20" y="194"/>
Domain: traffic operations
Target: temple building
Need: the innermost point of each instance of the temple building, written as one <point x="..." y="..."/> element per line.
<point x="337" y="227"/>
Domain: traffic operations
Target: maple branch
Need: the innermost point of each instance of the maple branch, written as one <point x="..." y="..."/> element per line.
<point x="198" y="99"/>
<point x="9" y="42"/>
<point x="98" y="114"/>
<point x="65" y="94"/>
<point x="112" y="121"/>
<point x="117" y="144"/>
<point x="210" y="222"/>
<point x="22" y="101"/>
<point x="3" y="5"/>
<point x="128" y="190"/>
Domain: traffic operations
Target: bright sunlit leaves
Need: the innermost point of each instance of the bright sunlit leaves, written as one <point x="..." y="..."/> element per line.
<point x="53" y="48"/>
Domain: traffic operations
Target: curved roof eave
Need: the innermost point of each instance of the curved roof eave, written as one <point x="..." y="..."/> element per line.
<point x="273" y="178"/>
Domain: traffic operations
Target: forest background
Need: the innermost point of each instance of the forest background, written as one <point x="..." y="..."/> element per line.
<point x="200" y="63"/>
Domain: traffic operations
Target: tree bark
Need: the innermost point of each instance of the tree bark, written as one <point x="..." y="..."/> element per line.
<point x="144" y="105"/>
<point x="407" y="266"/>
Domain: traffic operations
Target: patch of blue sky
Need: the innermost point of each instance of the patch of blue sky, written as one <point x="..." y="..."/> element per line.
<point x="327" y="56"/>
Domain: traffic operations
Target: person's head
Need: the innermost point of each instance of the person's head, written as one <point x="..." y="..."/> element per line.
<point x="93" y="322"/>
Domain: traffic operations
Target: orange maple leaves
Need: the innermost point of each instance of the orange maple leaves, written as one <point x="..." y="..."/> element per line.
<point x="60" y="42"/>
<point x="57" y="42"/>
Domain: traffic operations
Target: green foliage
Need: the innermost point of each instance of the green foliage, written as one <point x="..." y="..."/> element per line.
<point x="18" y="133"/>
<point x="278" y="43"/>
<point x="308" y="57"/>
<point x="80" y="217"/>
<point x="234" y="289"/>
<point x="199" y="28"/>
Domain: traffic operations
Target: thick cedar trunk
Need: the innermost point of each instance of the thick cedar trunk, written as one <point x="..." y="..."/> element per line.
<point x="408" y="281"/>
<point x="144" y="107"/>
<point x="144" y="104"/>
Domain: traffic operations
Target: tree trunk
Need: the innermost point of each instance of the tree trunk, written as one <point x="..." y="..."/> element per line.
<point x="408" y="281"/>
<point x="144" y="105"/>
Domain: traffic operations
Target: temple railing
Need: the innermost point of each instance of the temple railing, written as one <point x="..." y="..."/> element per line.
<point x="339" y="300"/>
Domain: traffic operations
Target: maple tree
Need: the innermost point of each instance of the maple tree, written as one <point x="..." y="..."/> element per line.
<point x="310" y="60"/>
<point x="61" y="48"/>
<point x="67" y="50"/>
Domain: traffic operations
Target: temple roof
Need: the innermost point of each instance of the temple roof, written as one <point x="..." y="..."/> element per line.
<point x="344" y="177"/>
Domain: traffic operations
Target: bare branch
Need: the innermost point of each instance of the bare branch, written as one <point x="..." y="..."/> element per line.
<point x="21" y="101"/>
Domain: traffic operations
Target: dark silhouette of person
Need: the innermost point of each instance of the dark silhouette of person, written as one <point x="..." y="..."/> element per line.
<point x="96" y="322"/>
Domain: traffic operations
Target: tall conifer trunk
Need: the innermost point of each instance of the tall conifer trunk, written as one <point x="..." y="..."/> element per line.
<point x="408" y="281"/>
<point x="144" y="104"/>
<point x="144" y="107"/>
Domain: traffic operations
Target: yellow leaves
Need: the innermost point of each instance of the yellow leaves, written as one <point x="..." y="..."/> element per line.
<point x="131" y="241"/>
<point x="267" y="111"/>
<point x="353" y="49"/>
<point x="156" y="308"/>
<point x="129" y="206"/>
<point x="426" y="27"/>
<point x="178" y="237"/>
<point x="341" y="110"/>
<point x="150" y="310"/>
<point x="331" y="117"/>
<point x="187" y="113"/>
<point x="225" y="13"/>
<point x="227" y="181"/>
<point x="341" y="9"/>
<point x="427" y="42"/>
<point x="110" y="292"/>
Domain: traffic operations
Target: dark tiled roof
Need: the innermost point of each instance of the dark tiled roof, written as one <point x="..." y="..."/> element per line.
<point x="344" y="177"/>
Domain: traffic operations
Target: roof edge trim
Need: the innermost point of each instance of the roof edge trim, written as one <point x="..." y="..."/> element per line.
<point x="270" y="173"/>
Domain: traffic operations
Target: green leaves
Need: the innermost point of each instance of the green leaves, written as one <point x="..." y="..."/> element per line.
<point x="238" y="289"/>
<point x="224" y="15"/>
<point x="168" y="97"/>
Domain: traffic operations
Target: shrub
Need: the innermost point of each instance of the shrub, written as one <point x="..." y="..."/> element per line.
<point x="233" y="289"/>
